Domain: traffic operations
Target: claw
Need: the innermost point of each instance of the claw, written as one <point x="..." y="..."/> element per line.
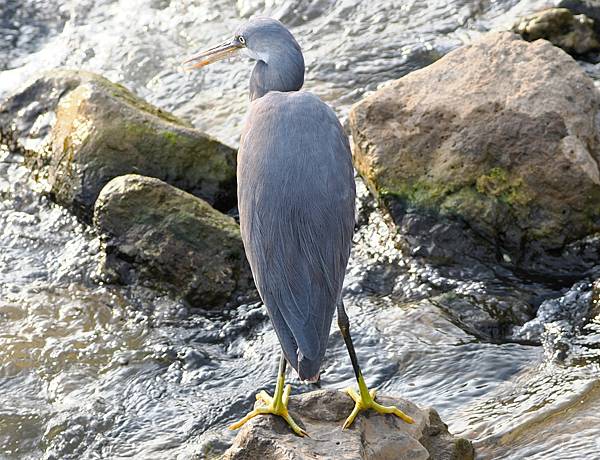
<point x="366" y="400"/>
<point x="272" y="406"/>
<point x="352" y="416"/>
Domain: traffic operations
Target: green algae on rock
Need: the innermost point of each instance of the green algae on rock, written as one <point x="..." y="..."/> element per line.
<point x="154" y="231"/>
<point x="98" y="130"/>
<point x="500" y="134"/>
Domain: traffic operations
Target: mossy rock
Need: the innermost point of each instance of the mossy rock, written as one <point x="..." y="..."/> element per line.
<point x="97" y="130"/>
<point x="156" y="233"/>
<point x="500" y="135"/>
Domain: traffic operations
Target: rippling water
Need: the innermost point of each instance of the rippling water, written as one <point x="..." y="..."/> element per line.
<point x="95" y="371"/>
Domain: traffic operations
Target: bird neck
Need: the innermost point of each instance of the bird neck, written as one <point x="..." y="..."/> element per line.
<point x="281" y="71"/>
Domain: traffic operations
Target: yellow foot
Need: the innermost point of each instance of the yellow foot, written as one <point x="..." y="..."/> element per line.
<point x="272" y="406"/>
<point x="366" y="400"/>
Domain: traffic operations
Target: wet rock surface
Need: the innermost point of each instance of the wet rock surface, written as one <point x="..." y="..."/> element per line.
<point x="572" y="310"/>
<point x="156" y="233"/>
<point x="494" y="150"/>
<point x="83" y="130"/>
<point x="574" y="33"/>
<point x="373" y="436"/>
<point x="595" y="305"/>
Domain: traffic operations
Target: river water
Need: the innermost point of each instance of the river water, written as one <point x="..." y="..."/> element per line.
<point x="98" y="371"/>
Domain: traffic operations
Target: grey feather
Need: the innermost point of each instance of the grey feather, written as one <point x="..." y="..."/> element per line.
<point x="280" y="65"/>
<point x="296" y="201"/>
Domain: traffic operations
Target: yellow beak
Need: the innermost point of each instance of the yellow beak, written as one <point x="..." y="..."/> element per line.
<point x="214" y="54"/>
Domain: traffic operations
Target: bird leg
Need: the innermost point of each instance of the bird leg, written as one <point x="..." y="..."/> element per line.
<point x="364" y="399"/>
<point x="276" y="405"/>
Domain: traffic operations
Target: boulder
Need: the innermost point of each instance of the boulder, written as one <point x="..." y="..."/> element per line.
<point x="156" y="233"/>
<point x="573" y="33"/>
<point x="83" y="130"/>
<point x="501" y="137"/>
<point x="372" y="436"/>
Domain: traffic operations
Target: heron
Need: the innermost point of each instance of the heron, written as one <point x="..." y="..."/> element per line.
<point x="296" y="201"/>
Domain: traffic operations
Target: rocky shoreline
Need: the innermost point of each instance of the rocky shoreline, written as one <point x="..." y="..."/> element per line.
<point x="487" y="160"/>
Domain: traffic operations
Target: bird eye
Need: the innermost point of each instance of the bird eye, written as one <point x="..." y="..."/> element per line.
<point x="242" y="40"/>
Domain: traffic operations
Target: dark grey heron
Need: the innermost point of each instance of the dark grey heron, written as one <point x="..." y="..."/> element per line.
<point x="296" y="197"/>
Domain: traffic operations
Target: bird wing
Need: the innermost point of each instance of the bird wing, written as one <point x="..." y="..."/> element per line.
<point x="296" y="196"/>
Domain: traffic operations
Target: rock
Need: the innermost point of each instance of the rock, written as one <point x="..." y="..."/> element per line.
<point x="158" y="233"/>
<point x="589" y="8"/>
<point x="372" y="436"/>
<point x="571" y="309"/>
<point x="83" y="130"/>
<point x="575" y="34"/>
<point x="501" y="137"/>
<point x="595" y="303"/>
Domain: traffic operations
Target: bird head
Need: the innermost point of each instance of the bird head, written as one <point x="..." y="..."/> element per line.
<point x="280" y="64"/>
<point x="262" y="39"/>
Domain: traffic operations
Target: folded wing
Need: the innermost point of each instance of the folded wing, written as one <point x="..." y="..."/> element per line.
<point x="296" y="201"/>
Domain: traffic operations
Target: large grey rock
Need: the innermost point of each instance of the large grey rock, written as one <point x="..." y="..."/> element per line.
<point x="157" y="233"/>
<point x="574" y="33"/>
<point x="82" y="130"/>
<point x="501" y="135"/>
<point x="372" y="436"/>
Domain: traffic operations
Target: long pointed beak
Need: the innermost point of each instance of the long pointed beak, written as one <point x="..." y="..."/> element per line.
<point x="214" y="54"/>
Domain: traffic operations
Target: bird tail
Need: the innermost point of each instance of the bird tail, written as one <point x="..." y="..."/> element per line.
<point x="308" y="369"/>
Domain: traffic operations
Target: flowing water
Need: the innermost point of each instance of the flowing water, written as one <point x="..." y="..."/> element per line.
<point x="99" y="371"/>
